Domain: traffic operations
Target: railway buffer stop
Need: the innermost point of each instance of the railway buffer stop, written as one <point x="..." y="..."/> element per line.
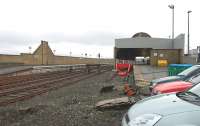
<point x="152" y="50"/>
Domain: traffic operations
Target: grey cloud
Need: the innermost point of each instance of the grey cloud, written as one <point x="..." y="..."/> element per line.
<point x="12" y="38"/>
<point x="91" y="37"/>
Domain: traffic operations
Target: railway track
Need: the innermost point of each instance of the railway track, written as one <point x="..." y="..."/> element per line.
<point x="18" y="88"/>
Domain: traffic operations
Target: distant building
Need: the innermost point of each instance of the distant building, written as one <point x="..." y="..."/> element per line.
<point x="193" y="52"/>
<point x="142" y="44"/>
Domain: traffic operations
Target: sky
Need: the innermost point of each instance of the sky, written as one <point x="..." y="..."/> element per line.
<point x="90" y="26"/>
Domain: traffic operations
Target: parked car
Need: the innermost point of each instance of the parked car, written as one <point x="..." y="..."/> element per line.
<point x="184" y="75"/>
<point x="175" y="109"/>
<point x="176" y="86"/>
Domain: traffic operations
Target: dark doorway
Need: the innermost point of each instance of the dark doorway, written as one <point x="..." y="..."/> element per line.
<point x="131" y="53"/>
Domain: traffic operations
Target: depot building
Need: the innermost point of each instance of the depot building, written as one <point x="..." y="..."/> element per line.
<point x="157" y="49"/>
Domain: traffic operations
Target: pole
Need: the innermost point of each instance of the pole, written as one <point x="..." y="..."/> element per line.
<point x="172" y="7"/>
<point x="42" y="52"/>
<point x="188" y="34"/>
<point x="198" y="54"/>
<point x="173" y="27"/>
<point x="188" y="48"/>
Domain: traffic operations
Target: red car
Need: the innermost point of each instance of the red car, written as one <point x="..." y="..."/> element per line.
<point x="176" y="86"/>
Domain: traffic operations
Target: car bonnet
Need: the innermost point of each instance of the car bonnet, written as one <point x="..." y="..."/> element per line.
<point x="164" y="105"/>
<point x="172" y="85"/>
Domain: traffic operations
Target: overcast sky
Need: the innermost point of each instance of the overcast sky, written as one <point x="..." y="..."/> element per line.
<point x="90" y="26"/>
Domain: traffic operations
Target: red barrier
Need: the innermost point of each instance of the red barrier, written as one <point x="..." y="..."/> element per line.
<point x="123" y="70"/>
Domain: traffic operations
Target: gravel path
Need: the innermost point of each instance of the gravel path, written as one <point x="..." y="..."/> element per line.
<point x="70" y="106"/>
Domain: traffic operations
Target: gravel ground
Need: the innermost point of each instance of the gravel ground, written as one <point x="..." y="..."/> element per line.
<point x="70" y="106"/>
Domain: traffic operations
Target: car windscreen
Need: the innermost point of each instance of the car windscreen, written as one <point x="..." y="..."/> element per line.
<point x="188" y="71"/>
<point x="192" y="95"/>
<point x="195" y="79"/>
<point x="195" y="89"/>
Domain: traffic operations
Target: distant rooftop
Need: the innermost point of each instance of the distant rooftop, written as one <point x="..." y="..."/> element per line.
<point x="141" y="34"/>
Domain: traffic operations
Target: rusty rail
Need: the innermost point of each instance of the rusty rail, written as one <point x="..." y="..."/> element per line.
<point x="18" y="88"/>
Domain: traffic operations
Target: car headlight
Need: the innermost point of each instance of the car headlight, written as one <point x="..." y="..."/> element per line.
<point x="145" y="120"/>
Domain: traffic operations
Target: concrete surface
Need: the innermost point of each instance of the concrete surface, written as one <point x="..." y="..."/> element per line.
<point x="14" y="69"/>
<point x="147" y="72"/>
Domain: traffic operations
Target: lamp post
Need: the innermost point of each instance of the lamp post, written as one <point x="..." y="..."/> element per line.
<point x="188" y="48"/>
<point x="30" y="49"/>
<point x="99" y="56"/>
<point x="172" y="7"/>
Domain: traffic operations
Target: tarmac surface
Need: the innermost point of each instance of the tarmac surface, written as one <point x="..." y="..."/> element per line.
<point x="9" y="70"/>
<point x="22" y="70"/>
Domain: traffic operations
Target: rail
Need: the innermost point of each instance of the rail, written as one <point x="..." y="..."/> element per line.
<point x="18" y="88"/>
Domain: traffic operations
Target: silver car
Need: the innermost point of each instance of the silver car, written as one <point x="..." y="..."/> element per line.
<point x="180" y="109"/>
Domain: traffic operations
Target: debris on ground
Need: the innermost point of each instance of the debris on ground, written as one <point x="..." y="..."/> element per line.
<point x="144" y="91"/>
<point x="73" y="105"/>
<point x="119" y="88"/>
<point x="115" y="103"/>
<point x="107" y="89"/>
<point x="128" y="90"/>
<point x="32" y="110"/>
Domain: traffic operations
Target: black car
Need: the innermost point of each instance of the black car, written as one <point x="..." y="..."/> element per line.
<point x="184" y="75"/>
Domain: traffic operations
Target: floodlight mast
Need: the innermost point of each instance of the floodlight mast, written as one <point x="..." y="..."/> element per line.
<point x="172" y="7"/>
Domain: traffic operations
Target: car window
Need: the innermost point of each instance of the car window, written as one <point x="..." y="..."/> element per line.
<point x="195" y="79"/>
<point x="189" y="71"/>
<point x="197" y="71"/>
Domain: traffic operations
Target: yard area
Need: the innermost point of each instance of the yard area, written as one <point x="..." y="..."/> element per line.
<point x="73" y="105"/>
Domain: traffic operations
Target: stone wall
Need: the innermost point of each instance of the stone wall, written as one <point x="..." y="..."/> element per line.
<point x="43" y="55"/>
<point x="11" y="59"/>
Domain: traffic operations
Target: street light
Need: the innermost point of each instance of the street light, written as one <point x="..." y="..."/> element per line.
<point x="172" y="7"/>
<point x="189" y="31"/>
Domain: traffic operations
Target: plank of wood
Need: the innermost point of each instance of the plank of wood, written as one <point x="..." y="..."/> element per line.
<point x="117" y="102"/>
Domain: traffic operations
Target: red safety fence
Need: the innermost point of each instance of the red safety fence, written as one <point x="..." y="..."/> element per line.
<point x="123" y="70"/>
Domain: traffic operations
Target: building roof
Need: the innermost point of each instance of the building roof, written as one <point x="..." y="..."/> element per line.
<point x="141" y="34"/>
<point x="148" y="42"/>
